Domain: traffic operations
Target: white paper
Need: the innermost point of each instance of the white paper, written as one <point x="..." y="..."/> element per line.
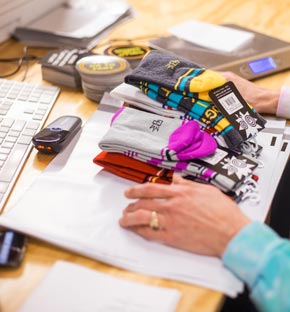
<point x="212" y="36"/>
<point x="80" y="22"/>
<point x="70" y="287"/>
<point x="80" y="208"/>
<point x="76" y="205"/>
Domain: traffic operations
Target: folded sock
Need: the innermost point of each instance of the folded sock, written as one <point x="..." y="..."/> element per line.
<point x="175" y="73"/>
<point x="134" y="97"/>
<point x="137" y="133"/>
<point x="141" y="172"/>
<point x="198" y="171"/>
<point x="182" y="85"/>
<point x="132" y="169"/>
<point x="165" y="143"/>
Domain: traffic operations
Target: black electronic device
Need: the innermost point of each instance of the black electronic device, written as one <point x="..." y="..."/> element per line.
<point x="12" y="248"/>
<point x="262" y="56"/>
<point x="54" y="137"/>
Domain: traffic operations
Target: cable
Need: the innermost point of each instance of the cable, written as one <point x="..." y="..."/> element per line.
<point x="25" y="58"/>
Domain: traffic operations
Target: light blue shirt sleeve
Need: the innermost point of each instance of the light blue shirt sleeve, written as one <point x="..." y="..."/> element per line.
<point x="283" y="108"/>
<point x="260" y="258"/>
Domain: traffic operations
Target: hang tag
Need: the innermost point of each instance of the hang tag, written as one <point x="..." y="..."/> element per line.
<point x="232" y="105"/>
<point x="228" y="163"/>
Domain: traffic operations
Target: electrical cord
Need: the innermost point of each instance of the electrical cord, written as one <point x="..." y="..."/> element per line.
<point x="22" y="60"/>
<point x="25" y="58"/>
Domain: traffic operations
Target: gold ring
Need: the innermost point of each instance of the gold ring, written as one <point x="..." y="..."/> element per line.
<point x="154" y="222"/>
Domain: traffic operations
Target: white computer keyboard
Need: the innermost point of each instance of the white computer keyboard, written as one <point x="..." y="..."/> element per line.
<point x="24" y="108"/>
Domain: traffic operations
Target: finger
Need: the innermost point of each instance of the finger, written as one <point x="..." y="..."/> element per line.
<point x="146" y="204"/>
<point x="140" y="218"/>
<point x="180" y="180"/>
<point x="150" y="190"/>
<point x="150" y="234"/>
<point x="136" y="218"/>
<point x="177" y="179"/>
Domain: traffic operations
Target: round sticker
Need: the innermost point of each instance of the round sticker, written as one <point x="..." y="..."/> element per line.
<point x="101" y="65"/>
<point x="129" y="52"/>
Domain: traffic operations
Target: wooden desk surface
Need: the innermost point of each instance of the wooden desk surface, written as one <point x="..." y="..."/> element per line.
<point x="153" y="18"/>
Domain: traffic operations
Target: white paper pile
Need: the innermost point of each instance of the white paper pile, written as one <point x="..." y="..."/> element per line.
<point x="75" y="204"/>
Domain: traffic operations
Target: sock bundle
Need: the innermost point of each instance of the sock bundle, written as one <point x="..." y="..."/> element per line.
<point x="135" y="98"/>
<point x="133" y="169"/>
<point x="171" y="144"/>
<point x="182" y="85"/>
<point x="141" y="172"/>
<point x="149" y="137"/>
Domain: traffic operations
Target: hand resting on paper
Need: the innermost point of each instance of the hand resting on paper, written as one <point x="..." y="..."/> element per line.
<point x="199" y="218"/>
<point x="192" y="216"/>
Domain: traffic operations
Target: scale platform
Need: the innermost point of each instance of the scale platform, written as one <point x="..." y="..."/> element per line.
<point x="262" y="56"/>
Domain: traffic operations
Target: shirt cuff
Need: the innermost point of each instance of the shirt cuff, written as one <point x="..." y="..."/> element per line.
<point x="283" y="108"/>
<point x="248" y="250"/>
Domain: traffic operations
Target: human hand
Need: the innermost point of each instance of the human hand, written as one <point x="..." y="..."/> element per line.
<point x="262" y="99"/>
<point x="195" y="217"/>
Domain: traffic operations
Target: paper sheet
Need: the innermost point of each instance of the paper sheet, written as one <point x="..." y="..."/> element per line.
<point x="212" y="36"/>
<point x="75" y="204"/>
<point x="80" y="22"/>
<point x="79" y="210"/>
<point x="69" y="287"/>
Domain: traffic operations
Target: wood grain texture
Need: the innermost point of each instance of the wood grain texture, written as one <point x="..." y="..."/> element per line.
<point x="152" y="18"/>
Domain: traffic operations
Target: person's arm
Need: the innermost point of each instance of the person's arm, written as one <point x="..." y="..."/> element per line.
<point x="190" y="219"/>
<point x="283" y="109"/>
<point x="262" y="99"/>
<point x="259" y="257"/>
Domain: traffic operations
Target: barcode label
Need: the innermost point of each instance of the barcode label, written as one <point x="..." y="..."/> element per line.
<point x="231" y="103"/>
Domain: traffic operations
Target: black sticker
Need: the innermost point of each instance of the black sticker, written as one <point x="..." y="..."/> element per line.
<point x="232" y="105"/>
<point x="228" y="163"/>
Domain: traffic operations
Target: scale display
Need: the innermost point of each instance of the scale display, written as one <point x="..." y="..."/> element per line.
<point x="262" y="65"/>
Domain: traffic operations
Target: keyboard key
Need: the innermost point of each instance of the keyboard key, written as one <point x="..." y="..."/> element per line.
<point x="8" y="122"/>
<point x="3" y="187"/>
<point x="12" y="163"/>
<point x="32" y="125"/>
<point x="25" y="139"/>
<point x="19" y="125"/>
<point x="29" y="132"/>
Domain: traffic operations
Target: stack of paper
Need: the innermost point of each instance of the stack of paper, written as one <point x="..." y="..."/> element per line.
<point x="80" y="27"/>
<point x="75" y="204"/>
<point x="69" y="287"/>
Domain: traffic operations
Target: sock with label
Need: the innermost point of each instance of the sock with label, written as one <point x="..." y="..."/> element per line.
<point x="183" y="85"/>
<point x="145" y="135"/>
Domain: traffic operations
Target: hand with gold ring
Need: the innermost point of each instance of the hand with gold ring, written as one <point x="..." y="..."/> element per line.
<point x="186" y="215"/>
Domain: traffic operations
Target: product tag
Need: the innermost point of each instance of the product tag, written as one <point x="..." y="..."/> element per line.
<point x="232" y="105"/>
<point x="228" y="163"/>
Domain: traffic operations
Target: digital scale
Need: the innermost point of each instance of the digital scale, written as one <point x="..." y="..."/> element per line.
<point x="262" y="56"/>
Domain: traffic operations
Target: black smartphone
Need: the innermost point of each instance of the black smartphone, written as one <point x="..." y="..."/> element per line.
<point x="12" y="248"/>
